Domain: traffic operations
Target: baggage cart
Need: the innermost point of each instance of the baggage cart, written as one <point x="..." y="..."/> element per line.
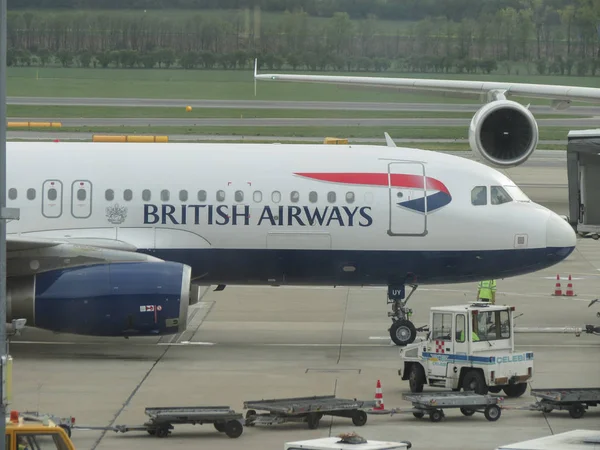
<point x="306" y="409"/>
<point x="162" y="419"/>
<point x="574" y="400"/>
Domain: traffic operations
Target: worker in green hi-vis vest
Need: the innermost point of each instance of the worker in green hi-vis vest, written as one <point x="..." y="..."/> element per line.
<point x="487" y="291"/>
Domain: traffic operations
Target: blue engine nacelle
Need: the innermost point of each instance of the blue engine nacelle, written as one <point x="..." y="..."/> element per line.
<point x="125" y="299"/>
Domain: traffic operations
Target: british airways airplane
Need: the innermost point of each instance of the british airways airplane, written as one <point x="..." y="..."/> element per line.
<point x="112" y="237"/>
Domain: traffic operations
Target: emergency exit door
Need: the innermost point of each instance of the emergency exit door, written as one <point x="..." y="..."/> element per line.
<point x="81" y="199"/>
<point x="407" y="199"/>
<point x="52" y="198"/>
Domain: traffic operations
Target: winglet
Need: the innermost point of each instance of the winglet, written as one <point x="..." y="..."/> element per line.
<point x="255" y="67"/>
<point x="389" y="141"/>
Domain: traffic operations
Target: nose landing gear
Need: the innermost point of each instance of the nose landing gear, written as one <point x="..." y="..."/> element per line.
<point x="402" y="331"/>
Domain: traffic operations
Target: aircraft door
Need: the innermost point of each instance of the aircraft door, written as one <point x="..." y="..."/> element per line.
<point x="52" y="199"/>
<point x="407" y="199"/>
<point x="81" y="199"/>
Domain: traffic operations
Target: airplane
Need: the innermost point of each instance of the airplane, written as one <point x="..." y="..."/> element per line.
<point x="112" y="238"/>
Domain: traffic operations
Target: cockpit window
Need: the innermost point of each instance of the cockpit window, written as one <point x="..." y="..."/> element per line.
<point x="479" y="195"/>
<point x="517" y="194"/>
<point x="499" y="196"/>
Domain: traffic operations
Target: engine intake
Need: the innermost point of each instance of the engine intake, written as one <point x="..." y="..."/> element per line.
<point x="503" y="133"/>
<point x="125" y="299"/>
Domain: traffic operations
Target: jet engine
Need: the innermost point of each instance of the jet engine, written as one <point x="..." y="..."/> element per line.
<point x="503" y="133"/>
<point x="124" y="299"/>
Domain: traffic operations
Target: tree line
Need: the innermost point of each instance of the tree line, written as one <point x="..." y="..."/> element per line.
<point x="357" y="9"/>
<point x="536" y="34"/>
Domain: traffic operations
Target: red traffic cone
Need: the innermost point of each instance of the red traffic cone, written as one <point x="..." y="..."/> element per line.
<point x="557" y="288"/>
<point x="570" y="291"/>
<point x="378" y="398"/>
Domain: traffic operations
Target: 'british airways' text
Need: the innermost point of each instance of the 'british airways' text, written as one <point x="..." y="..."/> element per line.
<point x="241" y="215"/>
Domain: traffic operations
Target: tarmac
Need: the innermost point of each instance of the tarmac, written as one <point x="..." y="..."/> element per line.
<point x="292" y="122"/>
<point x="252" y="343"/>
<point x="278" y="104"/>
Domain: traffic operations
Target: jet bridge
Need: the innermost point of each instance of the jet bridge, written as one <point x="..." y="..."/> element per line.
<point x="583" y="172"/>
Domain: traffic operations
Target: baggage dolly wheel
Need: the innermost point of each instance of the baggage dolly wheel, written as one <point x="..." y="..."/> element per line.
<point x="162" y="432"/>
<point x="233" y="429"/>
<point x="313" y="421"/>
<point x="576" y="411"/>
<point x="359" y="418"/>
<point x="219" y="426"/>
<point x="419" y="414"/>
<point x="467" y="412"/>
<point x="492" y="412"/>
<point x="436" y="415"/>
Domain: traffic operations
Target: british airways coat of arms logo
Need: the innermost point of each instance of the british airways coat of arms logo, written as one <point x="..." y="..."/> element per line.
<point x="116" y="214"/>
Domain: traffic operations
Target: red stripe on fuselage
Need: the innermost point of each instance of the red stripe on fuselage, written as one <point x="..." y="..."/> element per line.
<point x="379" y="179"/>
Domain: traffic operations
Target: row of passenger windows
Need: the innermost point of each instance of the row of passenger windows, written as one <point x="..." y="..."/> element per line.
<point x="498" y="195"/>
<point x="202" y="196"/>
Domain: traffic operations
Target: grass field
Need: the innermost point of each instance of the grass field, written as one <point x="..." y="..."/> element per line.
<point x="231" y="85"/>
<point x="63" y="112"/>
<point x="546" y="133"/>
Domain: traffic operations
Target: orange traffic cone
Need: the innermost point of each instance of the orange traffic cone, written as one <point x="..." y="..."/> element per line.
<point x="570" y="291"/>
<point x="557" y="287"/>
<point x="378" y="398"/>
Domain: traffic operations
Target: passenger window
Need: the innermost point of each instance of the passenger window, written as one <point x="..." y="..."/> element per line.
<point x="30" y="194"/>
<point x="295" y="196"/>
<point x="313" y="197"/>
<point x="276" y="196"/>
<point x="350" y="197"/>
<point x="257" y="196"/>
<point x="183" y="196"/>
<point x="81" y="195"/>
<point x="499" y="196"/>
<point x="479" y="195"/>
<point x="460" y="328"/>
<point x="146" y="195"/>
<point x="442" y="326"/>
<point x="52" y="194"/>
<point x="331" y="197"/>
<point x="12" y="194"/>
<point x="127" y="195"/>
<point x="239" y="196"/>
<point x="109" y="195"/>
<point x="201" y="196"/>
<point x="165" y="195"/>
<point x="220" y="196"/>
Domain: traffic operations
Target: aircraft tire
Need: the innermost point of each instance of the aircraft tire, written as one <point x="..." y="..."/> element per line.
<point x="403" y="332"/>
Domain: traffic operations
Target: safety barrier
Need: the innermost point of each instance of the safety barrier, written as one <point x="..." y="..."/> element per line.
<point x="335" y="141"/>
<point x="34" y="124"/>
<point x="100" y="138"/>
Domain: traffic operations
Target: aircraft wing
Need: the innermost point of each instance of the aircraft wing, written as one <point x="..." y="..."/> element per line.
<point x="30" y="255"/>
<point x="449" y="87"/>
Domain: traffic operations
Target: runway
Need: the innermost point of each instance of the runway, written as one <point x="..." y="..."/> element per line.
<point x="291" y="122"/>
<point x="83" y="136"/>
<point x="268" y="104"/>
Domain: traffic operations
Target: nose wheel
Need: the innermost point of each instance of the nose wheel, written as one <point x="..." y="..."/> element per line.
<point x="402" y="331"/>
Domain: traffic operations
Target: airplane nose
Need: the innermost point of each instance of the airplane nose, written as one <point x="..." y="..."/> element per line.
<point x="559" y="234"/>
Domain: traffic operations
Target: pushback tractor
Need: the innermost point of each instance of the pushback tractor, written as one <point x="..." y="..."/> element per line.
<point x="469" y="347"/>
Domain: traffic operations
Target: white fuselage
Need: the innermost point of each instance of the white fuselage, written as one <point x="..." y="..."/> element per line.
<point x="241" y="213"/>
